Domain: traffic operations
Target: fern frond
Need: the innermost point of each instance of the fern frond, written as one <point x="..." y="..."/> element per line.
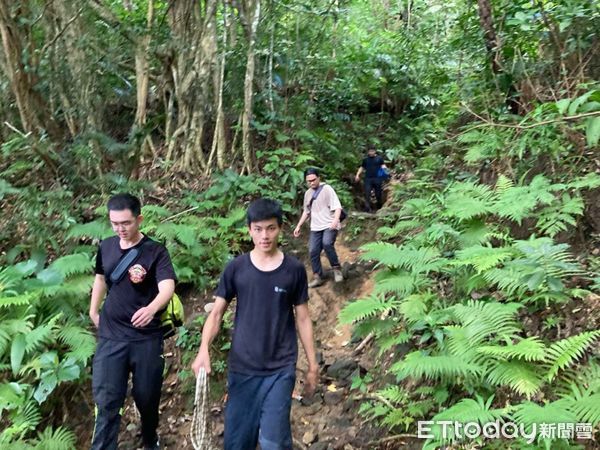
<point x="482" y="258"/>
<point x="399" y="282"/>
<point x="155" y="212"/>
<point x="414" y="307"/>
<point x="449" y="368"/>
<point x="521" y="377"/>
<point x="472" y="410"/>
<point x="566" y="351"/>
<point x="56" y="439"/>
<point x="529" y="349"/>
<point x="40" y="335"/>
<point x="590" y="181"/>
<point x="401" y="227"/>
<point x="363" y="308"/>
<point x="529" y="413"/>
<point x="78" y="263"/>
<point x="418" y="207"/>
<point x="26" y="419"/>
<point x="483" y="319"/>
<point x="81" y="342"/>
<point x="98" y="229"/>
<point x="19" y="300"/>
<point x="586" y="408"/>
<point x="394" y="394"/>
<point x="76" y="286"/>
<point x="518" y="202"/>
<point x="503" y="184"/>
<point x="559" y="215"/>
<point x="467" y="200"/>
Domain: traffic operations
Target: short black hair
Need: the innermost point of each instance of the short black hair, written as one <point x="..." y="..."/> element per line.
<point x="371" y="147"/>
<point x="121" y="202"/>
<point x="264" y="209"/>
<point x="311" y="171"/>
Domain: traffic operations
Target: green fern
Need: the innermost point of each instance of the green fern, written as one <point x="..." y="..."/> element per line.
<point x="482" y="258"/>
<point x="589" y="181"/>
<point x="563" y="353"/>
<point x="472" y="410"/>
<point x="465" y="201"/>
<point x="529" y="349"/>
<point x="78" y="263"/>
<point x="364" y="308"/>
<point x="503" y="184"/>
<point x="522" y="377"/>
<point x="529" y="413"/>
<point x="559" y="215"/>
<point x="400" y="283"/>
<point x="441" y="367"/>
<point x="18" y="300"/>
<point x="98" y="229"/>
<point x="414" y="307"/>
<point x="484" y="319"/>
<point x="55" y="439"/>
<point x="519" y="202"/>
<point x="81" y="342"/>
<point x="400" y="228"/>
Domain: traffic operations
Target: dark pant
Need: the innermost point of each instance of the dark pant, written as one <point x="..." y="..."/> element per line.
<point x="113" y="362"/>
<point x="258" y="411"/>
<point x="376" y="185"/>
<point x="322" y="240"/>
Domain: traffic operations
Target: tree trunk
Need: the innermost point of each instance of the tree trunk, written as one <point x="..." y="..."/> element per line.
<point x="33" y="109"/>
<point x="142" y="76"/>
<point x="219" y="144"/>
<point x="492" y="42"/>
<point x="253" y="7"/>
<point x="194" y="34"/>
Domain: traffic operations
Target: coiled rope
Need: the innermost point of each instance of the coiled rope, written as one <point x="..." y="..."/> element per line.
<point x="200" y="430"/>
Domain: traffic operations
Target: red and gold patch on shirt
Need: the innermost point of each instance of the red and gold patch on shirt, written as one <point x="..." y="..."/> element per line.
<point x="137" y="273"/>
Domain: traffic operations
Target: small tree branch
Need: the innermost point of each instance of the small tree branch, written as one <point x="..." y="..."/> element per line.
<point x="60" y="33"/>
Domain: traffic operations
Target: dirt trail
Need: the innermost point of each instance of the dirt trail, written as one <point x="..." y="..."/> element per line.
<point x="329" y="421"/>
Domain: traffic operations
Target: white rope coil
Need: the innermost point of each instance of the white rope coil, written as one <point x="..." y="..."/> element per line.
<point x="200" y="430"/>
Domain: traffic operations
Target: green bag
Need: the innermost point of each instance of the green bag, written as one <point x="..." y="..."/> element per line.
<point x="173" y="316"/>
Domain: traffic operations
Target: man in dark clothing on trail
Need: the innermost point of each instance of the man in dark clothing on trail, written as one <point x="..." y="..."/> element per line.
<point x="130" y="336"/>
<point x="371" y="165"/>
<point x="272" y="293"/>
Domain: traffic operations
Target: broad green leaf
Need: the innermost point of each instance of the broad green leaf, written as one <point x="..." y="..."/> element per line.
<point x="17" y="351"/>
<point x="68" y="372"/>
<point x="562" y="105"/>
<point x="592" y="131"/>
<point x="574" y="106"/>
<point x="48" y="383"/>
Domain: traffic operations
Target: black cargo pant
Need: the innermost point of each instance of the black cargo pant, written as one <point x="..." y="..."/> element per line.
<point x="375" y="184"/>
<point x="113" y="362"/>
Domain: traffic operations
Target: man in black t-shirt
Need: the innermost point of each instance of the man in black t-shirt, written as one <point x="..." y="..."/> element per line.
<point x="371" y="165"/>
<point x="130" y="337"/>
<point x="272" y="292"/>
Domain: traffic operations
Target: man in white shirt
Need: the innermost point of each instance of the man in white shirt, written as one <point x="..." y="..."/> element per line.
<point x="323" y="206"/>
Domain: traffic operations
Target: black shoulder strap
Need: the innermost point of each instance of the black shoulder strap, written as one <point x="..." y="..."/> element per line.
<point x="126" y="262"/>
<point x="315" y="195"/>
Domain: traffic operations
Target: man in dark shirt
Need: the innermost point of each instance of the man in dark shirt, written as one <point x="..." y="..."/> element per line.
<point x="371" y="165"/>
<point x="272" y="292"/>
<point x="130" y="337"/>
